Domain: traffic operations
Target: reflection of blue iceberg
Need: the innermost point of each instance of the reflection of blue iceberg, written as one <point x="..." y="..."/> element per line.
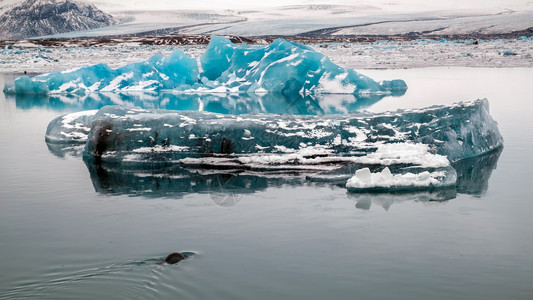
<point x="224" y="104"/>
<point x="282" y="67"/>
<point x="406" y="141"/>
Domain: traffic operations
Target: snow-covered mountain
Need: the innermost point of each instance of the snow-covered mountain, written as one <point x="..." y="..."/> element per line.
<point x="34" y="18"/>
<point x="7" y="4"/>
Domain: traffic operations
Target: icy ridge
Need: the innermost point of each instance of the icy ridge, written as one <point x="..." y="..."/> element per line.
<point x="282" y="67"/>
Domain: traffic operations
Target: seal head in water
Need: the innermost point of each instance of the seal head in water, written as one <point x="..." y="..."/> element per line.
<point x="173" y="258"/>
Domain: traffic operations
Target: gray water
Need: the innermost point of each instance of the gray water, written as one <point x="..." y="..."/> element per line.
<point x="68" y="232"/>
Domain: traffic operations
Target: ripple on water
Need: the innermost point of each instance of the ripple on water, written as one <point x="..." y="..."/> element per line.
<point x="136" y="279"/>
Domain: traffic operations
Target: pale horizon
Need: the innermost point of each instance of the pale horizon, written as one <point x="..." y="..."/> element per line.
<point x="401" y="5"/>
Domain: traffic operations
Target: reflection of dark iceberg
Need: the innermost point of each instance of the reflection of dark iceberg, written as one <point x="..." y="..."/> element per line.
<point x="65" y="150"/>
<point x="473" y="176"/>
<point x="217" y="103"/>
<point x="365" y="201"/>
<point x="225" y="187"/>
<point x="473" y="173"/>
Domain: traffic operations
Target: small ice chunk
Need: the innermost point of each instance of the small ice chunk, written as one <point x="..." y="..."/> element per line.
<point x="364" y="175"/>
<point x="365" y="180"/>
<point x="386" y="174"/>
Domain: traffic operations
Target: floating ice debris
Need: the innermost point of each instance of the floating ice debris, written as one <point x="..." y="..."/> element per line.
<point x="282" y="67"/>
<point x="394" y="167"/>
<point x="406" y="141"/>
<point x="509" y="53"/>
<point x="385" y="180"/>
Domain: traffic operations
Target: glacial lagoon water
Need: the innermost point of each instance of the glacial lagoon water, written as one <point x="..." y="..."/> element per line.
<point x="69" y="231"/>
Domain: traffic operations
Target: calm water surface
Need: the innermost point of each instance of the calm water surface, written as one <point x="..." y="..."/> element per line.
<point x="68" y="233"/>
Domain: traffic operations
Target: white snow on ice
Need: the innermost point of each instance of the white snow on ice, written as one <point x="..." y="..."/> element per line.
<point x="364" y="179"/>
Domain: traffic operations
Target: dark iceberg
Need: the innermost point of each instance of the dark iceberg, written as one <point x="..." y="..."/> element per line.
<point x="402" y="150"/>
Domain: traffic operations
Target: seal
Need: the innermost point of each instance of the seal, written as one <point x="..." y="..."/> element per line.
<point x="174" y="257"/>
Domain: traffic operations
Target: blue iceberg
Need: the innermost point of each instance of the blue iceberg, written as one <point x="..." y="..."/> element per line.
<point x="402" y="150"/>
<point x="157" y="73"/>
<point x="283" y="67"/>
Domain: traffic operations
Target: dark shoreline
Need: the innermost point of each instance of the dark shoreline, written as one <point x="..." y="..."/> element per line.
<point x="179" y="39"/>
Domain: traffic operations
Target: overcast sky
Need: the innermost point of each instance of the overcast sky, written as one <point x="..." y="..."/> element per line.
<point x="247" y="4"/>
